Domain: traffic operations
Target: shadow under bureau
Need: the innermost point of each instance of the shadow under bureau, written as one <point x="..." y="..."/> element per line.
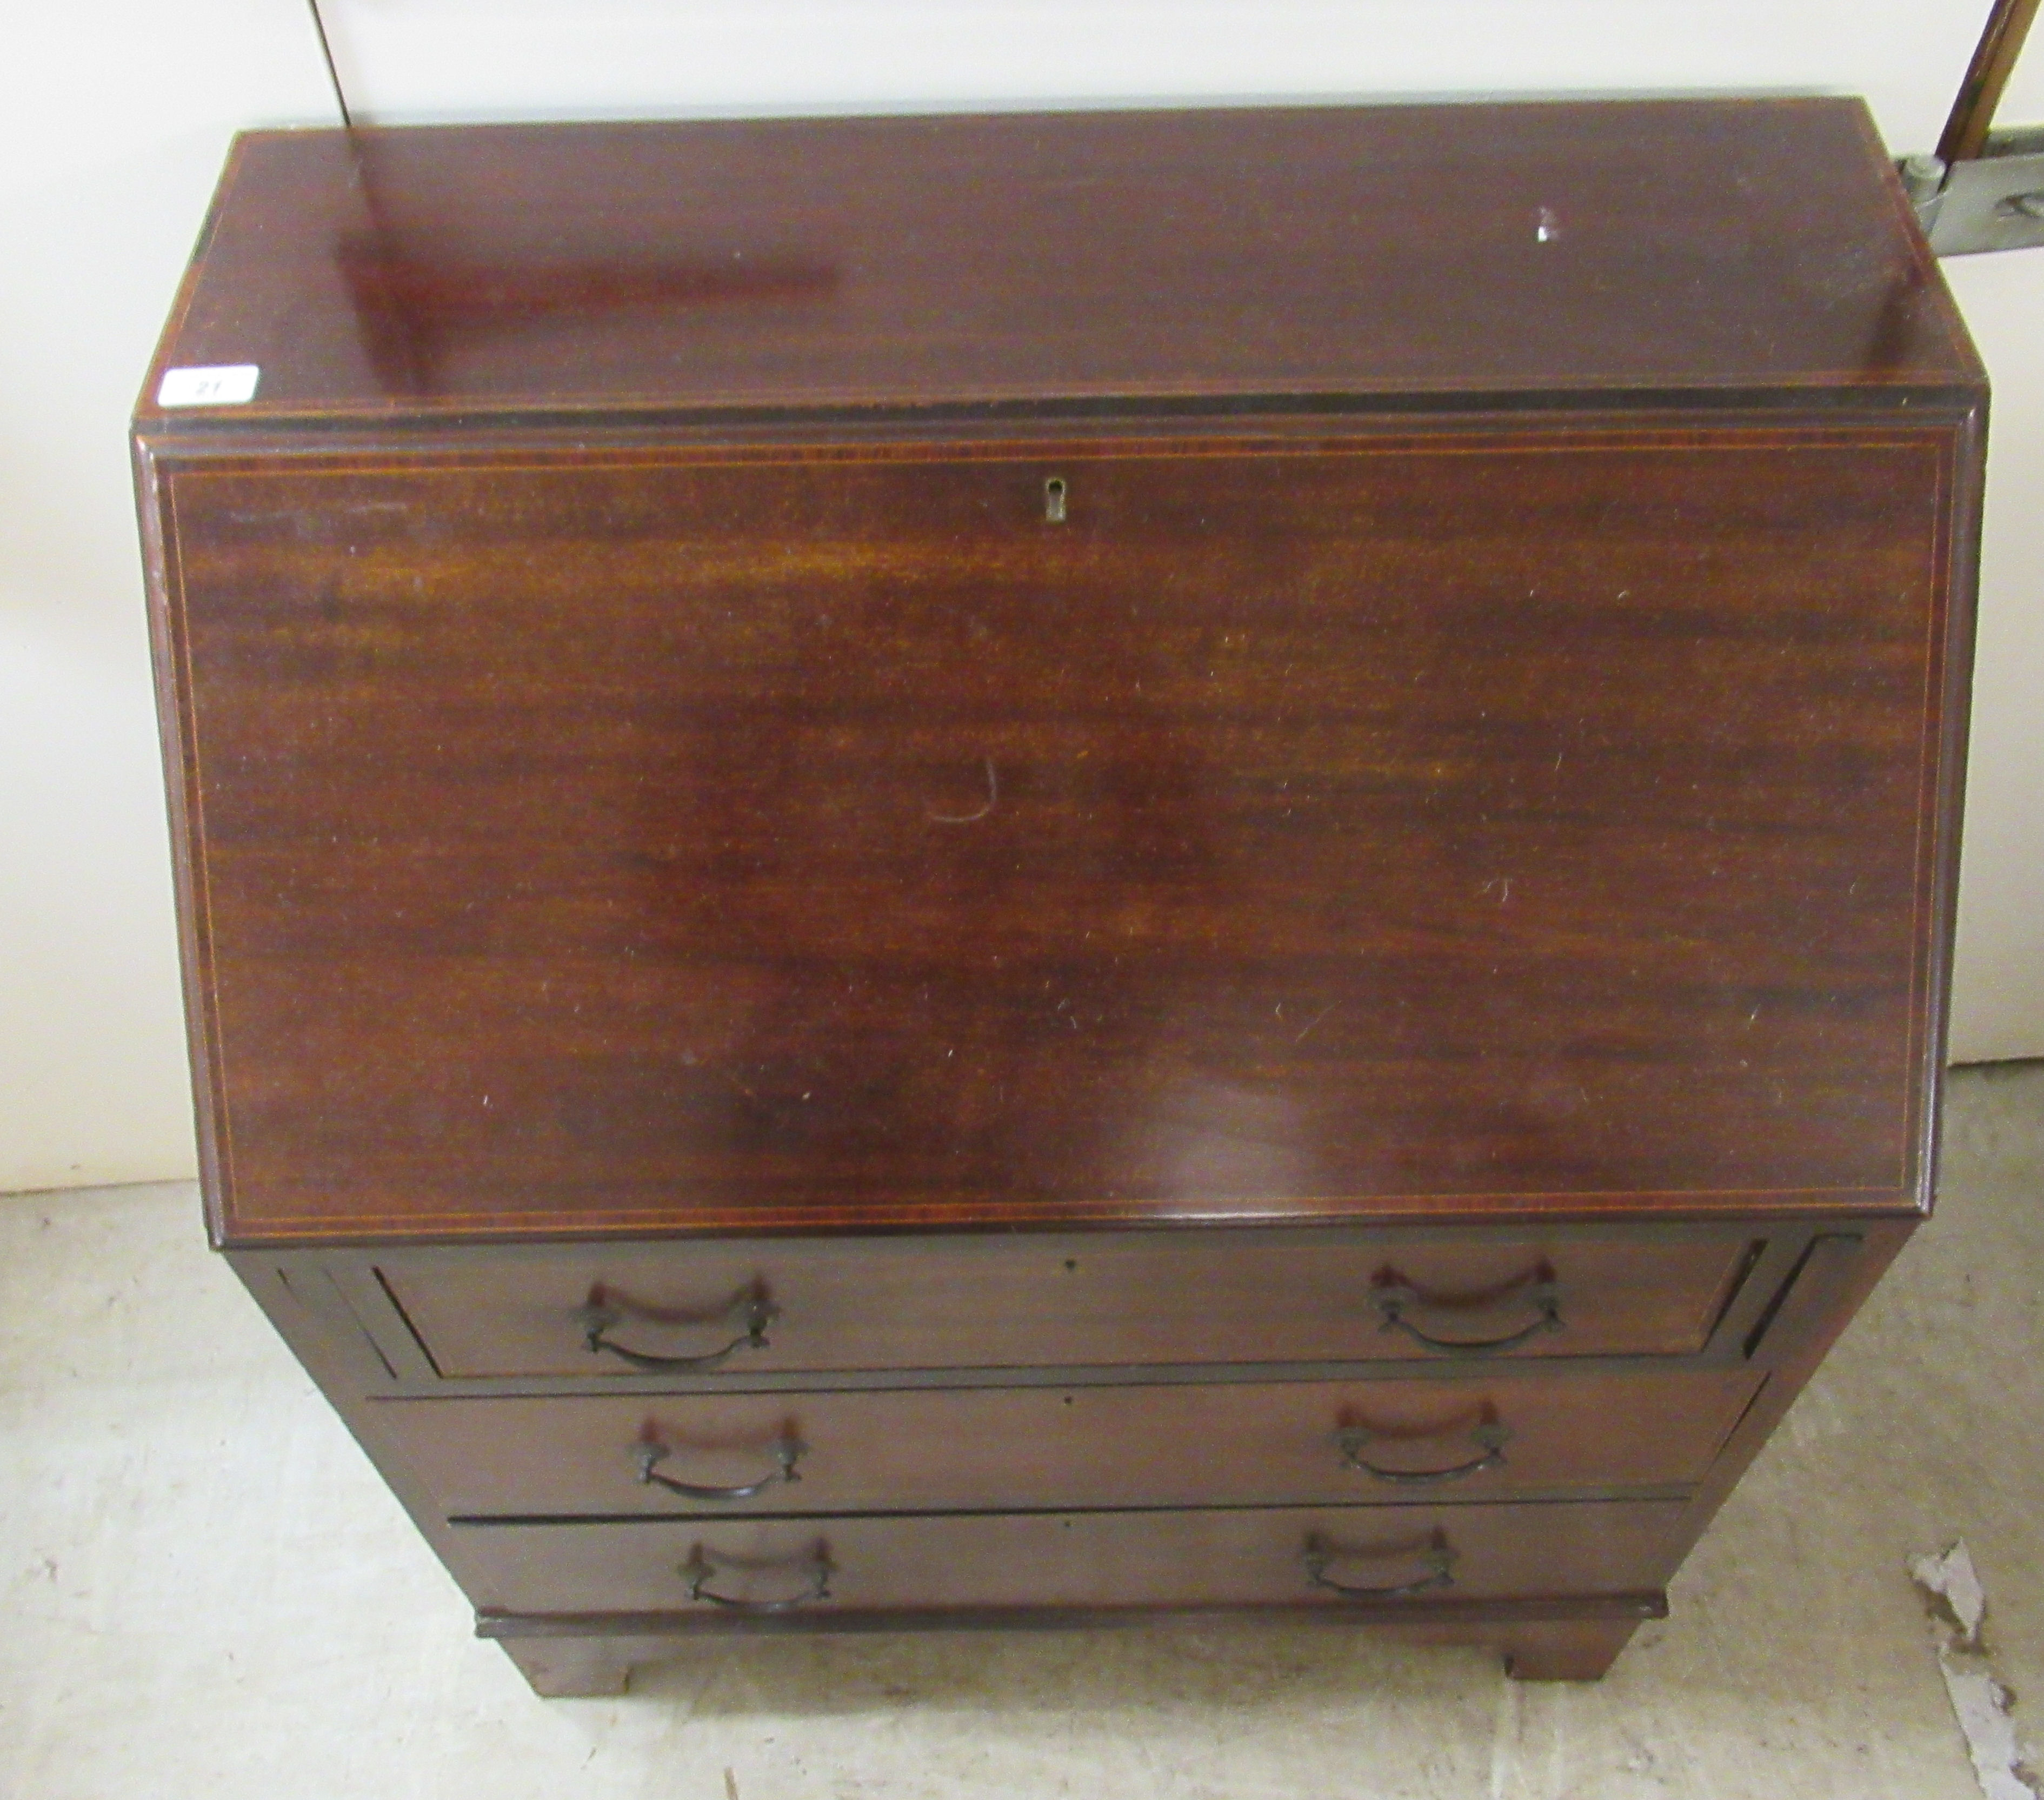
<point x="1032" y="870"/>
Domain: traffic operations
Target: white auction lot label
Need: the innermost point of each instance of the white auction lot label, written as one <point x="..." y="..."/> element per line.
<point x="228" y="385"/>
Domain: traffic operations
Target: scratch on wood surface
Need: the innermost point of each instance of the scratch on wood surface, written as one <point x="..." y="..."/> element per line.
<point x="993" y="800"/>
<point x="1983" y="1706"/>
<point x="1316" y="1019"/>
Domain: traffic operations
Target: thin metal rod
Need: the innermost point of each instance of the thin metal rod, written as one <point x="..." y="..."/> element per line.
<point x="333" y="74"/>
<point x="1994" y="61"/>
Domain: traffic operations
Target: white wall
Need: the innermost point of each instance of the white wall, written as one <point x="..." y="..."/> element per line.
<point x="431" y="59"/>
<point x="115" y="121"/>
<point x="1998" y="990"/>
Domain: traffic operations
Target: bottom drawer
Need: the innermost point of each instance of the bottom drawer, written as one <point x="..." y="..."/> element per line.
<point x="1303" y="1555"/>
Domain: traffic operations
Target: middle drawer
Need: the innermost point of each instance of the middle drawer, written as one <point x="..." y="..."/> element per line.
<point x="936" y="1449"/>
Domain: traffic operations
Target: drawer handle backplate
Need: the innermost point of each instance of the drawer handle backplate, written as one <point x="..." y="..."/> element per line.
<point x="1489" y="1435"/>
<point x="1435" y="1557"/>
<point x="787" y="1451"/>
<point x="703" y="1564"/>
<point x="1394" y="1299"/>
<point x="752" y="1308"/>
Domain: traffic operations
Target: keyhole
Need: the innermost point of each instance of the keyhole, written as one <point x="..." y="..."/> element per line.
<point x="1053" y="500"/>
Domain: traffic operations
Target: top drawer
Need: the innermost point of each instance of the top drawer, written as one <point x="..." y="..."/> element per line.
<point x="736" y="1308"/>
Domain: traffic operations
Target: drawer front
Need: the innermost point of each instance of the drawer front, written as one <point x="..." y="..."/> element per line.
<point x="1231" y="1444"/>
<point x="1334" y="1556"/>
<point x="977" y="1303"/>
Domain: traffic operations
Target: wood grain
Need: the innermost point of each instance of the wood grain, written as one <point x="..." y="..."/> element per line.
<point x="1356" y="829"/>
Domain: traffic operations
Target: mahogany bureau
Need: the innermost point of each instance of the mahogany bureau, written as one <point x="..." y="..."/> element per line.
<point x="1034" y="869"/>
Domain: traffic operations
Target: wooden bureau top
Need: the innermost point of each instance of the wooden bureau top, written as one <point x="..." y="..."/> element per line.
<point x="1620" y="252"/>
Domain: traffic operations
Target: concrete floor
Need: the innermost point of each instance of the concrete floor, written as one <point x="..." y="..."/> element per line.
<point x="208" y="1592"/>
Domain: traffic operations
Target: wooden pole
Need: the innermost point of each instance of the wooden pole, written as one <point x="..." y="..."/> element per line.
<point x="1972" y="112"/>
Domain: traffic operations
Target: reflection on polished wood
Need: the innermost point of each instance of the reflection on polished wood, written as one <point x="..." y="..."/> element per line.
<point x="1337" y="255"/>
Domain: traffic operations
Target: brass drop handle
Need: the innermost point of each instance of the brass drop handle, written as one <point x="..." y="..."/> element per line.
<point x="1395" y="1299"/>
<point x="749" y="1306"/>
<point x="703" y="1565"/>
<point x="787" y="1450"/>
<point x="1435" y="1557"/>
<point x="1488" y="1435"/>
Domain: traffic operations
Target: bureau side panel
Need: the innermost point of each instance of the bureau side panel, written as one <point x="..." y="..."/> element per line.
<point x="693" y="840"/>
